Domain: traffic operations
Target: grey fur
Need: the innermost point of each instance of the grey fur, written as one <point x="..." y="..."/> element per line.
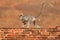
<point x="26" y="20"/>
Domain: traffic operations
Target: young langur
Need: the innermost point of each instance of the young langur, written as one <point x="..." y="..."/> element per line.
<point x="26" y="20"/>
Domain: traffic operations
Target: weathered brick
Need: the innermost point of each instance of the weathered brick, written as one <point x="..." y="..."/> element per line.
<point x="58" y="28"/>
<point x="51" y="30"/>
<point x="51" y="37"/>
<point x="53" y="33"/>
<point x="35" y="33"/>
<point x="57" y="38"/>
<point x="45" y="33"/>
<point x="4" y="39"/>
<point x="58" y="33"/>
<point x="29" y="34"/>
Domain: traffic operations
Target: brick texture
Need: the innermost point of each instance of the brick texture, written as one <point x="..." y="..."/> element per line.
<point x="29" y="34"/>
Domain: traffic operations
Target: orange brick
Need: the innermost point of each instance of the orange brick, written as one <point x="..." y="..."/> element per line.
<point x="52" y="30"/>
<point x="51" y="37"/>
<point x="58" y="28"/>
<point x="58" y="33"/>
<point x="45" y="33"/>
<point x="53" y="33"/>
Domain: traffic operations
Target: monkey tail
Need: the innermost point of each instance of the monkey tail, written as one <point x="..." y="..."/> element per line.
<point x="38" y="15"/>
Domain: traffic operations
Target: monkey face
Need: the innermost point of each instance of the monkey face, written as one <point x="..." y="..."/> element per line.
<point x="20" y="16"/>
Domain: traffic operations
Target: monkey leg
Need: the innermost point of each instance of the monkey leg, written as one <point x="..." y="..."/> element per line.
<point x="24" y="23"/>
<point x="34" y="22"/>
<point x="28" y="24"/>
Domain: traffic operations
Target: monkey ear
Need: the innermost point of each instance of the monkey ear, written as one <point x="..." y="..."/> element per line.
<point x="20" y="15"/>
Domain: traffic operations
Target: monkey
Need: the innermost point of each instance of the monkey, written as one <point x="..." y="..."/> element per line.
<point x="26" y="20"/>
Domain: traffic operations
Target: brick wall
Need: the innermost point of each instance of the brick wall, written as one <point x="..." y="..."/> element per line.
<point x="30" y="33"/>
